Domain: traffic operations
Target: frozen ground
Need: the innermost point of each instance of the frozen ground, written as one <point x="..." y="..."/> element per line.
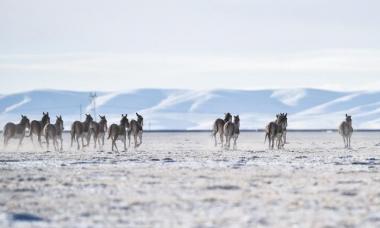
<point x="181" y="180"/>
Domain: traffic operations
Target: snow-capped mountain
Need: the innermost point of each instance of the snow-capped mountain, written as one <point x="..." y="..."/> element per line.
<point x="187" y="109"/>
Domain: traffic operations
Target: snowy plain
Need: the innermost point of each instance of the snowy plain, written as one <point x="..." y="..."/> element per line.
<point x="182" y="180"/>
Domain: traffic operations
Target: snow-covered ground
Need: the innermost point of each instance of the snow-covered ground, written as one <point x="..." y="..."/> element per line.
<point x="181" y="180"/>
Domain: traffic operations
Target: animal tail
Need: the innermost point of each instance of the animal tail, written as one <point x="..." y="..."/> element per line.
<point x="109" y="134"/>
<point x="4" y="131"/>
<point x="30" y="132"/>
<point x="214" y="129"/>
<point x="266" y="137"/>
<point x="72" y="133"/>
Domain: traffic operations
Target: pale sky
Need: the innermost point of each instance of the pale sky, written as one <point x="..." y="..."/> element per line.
<point x="198" y="44"/>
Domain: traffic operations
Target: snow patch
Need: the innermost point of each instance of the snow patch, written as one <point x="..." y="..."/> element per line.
<point x="17" y="105"/>
<point x="289" y="97"/>
<point x="201" y="100"/>
<point x="177" y="98"/>
<point x="322" y="108"/>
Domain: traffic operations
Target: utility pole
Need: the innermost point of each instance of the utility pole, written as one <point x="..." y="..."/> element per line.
<point x="93" y="102"/>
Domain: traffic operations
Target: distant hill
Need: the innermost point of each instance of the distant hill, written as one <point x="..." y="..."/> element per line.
<point x="187" y="109"/>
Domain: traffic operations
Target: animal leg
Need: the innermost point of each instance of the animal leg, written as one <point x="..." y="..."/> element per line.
<point x="214" y="136"/>
<point x="114" y="143"/>
<point x="221" y="138"/>
<point x="47" y="143"/>
<point x="39" y="139"/>
<point x="6" y="138"/>
<point x="349" y="141"/>
<point x="61" y="143"/>
<point x="20" y="142"/>
<point x="235" y="144"/>
<point x="78" y="145"/>
<point x="129" y="138"/>
<point x="272" y="142"/>
<point x="140" y="137"/>
<point x="56" y="144"/>
<point x="344" y="141"/>
<point x="135" y="139"/>
<point x="72" y="139"/>
<point x="83" y="142"/>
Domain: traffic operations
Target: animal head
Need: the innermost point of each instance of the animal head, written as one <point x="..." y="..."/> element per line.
<point x="103" y="119"/>
<point x="237" y="119"/>
<point x="89" y="118"/>
<point x="124" y="120"/>
<point x="285" y="118"/>
<point x="45" y="118"/>
<point x="25" y="121"/>
<point x="140" y="119"/>
<point x="348" y="118"/>
<point x="282" y="119"/>
<point x="59" y="122"/>
<point x="227" y="117"/>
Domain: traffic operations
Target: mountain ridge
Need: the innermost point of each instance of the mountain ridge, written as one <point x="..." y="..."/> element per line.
<point x="196" y="109"/>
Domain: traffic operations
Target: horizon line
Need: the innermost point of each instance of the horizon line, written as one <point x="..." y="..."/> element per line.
<point x="187" y="89"/>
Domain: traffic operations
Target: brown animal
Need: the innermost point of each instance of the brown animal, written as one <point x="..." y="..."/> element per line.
<point x="36" y="127"/>
<point x="346" y="130"/>
<point x="232" y="131"/>
<point x="98" y="131"/>
<point x="16" y="131"/>
<point x="219" y="127"/>
<point x="119" y="132"/>
<point x="275" y="131"/>
<point x="54" y="132"/>
<point x="136" y="129"/>
<point x="81" y="130"/>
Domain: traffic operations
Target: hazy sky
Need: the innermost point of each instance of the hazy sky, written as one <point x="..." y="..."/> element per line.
<point x="198" y="44"/>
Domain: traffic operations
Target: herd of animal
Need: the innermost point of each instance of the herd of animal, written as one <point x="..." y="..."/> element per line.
<point x="79" y="132"/>
<point x="228" y="129"/>
<point x="275" y="131"/>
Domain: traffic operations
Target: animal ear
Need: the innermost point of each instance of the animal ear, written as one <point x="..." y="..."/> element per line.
<point x="286" y="115"/>
<point x="346" y="115"/>
<point x="122" y="115"/>
<point x="47" y="113"/>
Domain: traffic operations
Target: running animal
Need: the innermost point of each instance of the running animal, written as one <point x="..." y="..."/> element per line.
<point x="219" y="127"/>
<point x="54" y="132"/>
<point x="36" y="127"/>
<point x="346" y="130"/>
<point x="274" y="131"/>
<point x="98" y="131"/>
<point x="16" y="131"/>
<point x="232" y="131"/>
<point x="136" y="129"/>
<point x="81" y="130"/>
<point x="119" y="132"/>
